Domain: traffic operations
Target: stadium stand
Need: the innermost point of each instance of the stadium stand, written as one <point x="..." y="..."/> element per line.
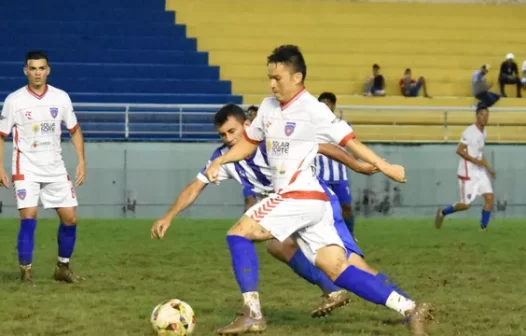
<point x="104" y="51"/>
<point x="444" y="43"/>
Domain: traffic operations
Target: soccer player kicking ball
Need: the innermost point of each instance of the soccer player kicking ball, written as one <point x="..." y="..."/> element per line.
<point x="35" y="114"/>
<point x="473" y="171"/>
<point x="300" y="209"/>
<point x="254" y="174"/>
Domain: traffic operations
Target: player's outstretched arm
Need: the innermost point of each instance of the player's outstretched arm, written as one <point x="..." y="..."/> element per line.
<point x="238" y="152"/>
<point x="186" y="198"/>
<point x="394" y="172"/>
<point x="342" y="156"/>
<point x="77" y="139"/>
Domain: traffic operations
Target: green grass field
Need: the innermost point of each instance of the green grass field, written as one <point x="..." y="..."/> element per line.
<point x="475" y="279"/>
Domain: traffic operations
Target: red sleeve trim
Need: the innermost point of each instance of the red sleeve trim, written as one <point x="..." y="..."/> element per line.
<point x="346" y="138"/>
<point x="252" y="141"/>
<point x="74" y="129"/>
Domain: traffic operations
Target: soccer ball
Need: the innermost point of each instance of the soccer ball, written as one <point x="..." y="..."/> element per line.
<point x="173" y="318"/>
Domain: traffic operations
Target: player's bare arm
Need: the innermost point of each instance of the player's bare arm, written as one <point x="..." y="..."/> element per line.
<point x="238" y="152"/>
<point x="490" y="170"/>
<point x="4" y="178"/>
<point x="77" y="139"/>
<point x="394" y="172"/>
<point x="342" y="156"/>
<point x="186" y="198"/>
<point x="462" y="151"/>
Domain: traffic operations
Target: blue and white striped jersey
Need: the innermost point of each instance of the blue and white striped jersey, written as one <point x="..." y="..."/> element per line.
<point x="252" y="173"/>
<point x="329" y="170"/>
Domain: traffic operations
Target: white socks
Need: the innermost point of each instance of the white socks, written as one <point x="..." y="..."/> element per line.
<point x="251" y="300"/>
<point x="399" y="303"/>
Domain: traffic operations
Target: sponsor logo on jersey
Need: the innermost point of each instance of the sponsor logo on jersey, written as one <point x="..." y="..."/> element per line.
<point x="44" y="128"/>
<point x="37" y="144"/>
<point x="289" y="128"/>
<point x="53" y="111"/>
<point x="278" y="148"/>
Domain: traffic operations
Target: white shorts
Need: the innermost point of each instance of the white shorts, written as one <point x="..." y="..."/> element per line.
<point x="476" y="186"/>
<point x="309" y="223"/>
<point x="51" y="194"/>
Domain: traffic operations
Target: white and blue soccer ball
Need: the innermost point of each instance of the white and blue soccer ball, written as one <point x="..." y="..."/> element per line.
<point x="173" y="318"/>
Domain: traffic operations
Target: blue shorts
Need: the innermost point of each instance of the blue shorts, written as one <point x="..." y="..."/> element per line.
<point x="339" y="224"/>
<point x="342" y="191"/>
<point x="415" y="88"/>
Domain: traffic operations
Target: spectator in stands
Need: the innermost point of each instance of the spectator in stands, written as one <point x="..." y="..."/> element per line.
<point x="523" y="80"/>
<point x="410" y="87"/>
<point x="481" y="87"/>
<point x="252" y="112"/>
<point x="375" y="85"/>
<point x="329" y="99"/>
<point x="509" y="74"/>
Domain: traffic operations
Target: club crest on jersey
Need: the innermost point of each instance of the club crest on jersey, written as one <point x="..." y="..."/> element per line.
<point x="53" y="111"/>
<point x="21" y="193"/>
<point x="289" y="128"/>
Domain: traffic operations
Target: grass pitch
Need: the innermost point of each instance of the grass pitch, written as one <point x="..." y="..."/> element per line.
<point x="475" y="279"/>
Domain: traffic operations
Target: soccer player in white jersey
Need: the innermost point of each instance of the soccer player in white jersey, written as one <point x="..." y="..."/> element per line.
<point x="254" y="174"/>
<point x="334" y="174"/>
<point x="299" y="208"/>
<point x="35" y="114"/>
<point x="473" y="171"/>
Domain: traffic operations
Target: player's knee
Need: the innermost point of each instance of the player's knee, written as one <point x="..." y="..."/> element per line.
<point x="28" y="213"/>
<point x="283" y="251"/>
<point x="332" y="261"/>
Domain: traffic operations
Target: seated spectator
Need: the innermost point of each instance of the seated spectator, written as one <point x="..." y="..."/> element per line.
<point x="509" y="74"/>
<point x="410" y="87"/>
<point x="523" y="80"/>
<point x="329" y="99"/>
<point x="481" y="88"/>
<point x="252" y="112"/>
<point x="375" y="85"/>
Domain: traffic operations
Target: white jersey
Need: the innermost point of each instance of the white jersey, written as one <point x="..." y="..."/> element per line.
<point x="330" y="171"/>
<point x="252" y="173"/>
<point x="475" y="140"/>
<point x="292" y="132"/>
<point x="36" y="124"/>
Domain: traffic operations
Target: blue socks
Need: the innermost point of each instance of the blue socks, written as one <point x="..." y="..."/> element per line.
<point x="349" y="222"/>
<point x="304" y="268"/>
<point x="26" y="241"/>
<point x="448" y="210"/>
<point x="67" y="235"/>
<point x="484" y="220"/>
<point x="389" y="283"/>
<point x="365" y="285"/>
<point x="245" y="263"/>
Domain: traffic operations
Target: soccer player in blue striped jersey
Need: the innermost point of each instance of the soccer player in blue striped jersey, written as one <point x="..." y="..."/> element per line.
<point x="254" y="175"/>
<point x="334" y="174"/>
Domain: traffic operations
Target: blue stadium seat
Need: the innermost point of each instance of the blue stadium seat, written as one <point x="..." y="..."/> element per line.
<point x="107" y="51"/>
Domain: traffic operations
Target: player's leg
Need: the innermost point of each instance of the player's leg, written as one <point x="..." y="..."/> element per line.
<point x="467" y="195"/>
<point x="61" y="196"/>
<point x="322" y="245"/>
<point x="343" y="192"/>
<point x="485" y="189"/>
<point x="273" y="217"/>
<point x="27" y="194"/>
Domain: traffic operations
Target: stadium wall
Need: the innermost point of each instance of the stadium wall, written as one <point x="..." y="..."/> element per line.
<point x="154" y="173"/>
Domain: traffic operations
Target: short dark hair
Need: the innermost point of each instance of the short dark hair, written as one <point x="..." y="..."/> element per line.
<point x="376" y="66"/>
<point x="36" y="55"/>
<point x="290" y="55"/>
<point x="229" y="110"/>
<point x="328" y="96"/>
<point x="481" y="106"/>
<point x="252" y="108"/>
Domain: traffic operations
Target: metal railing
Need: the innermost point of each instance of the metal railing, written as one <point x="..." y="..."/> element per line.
<point x="120" y="121"/>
